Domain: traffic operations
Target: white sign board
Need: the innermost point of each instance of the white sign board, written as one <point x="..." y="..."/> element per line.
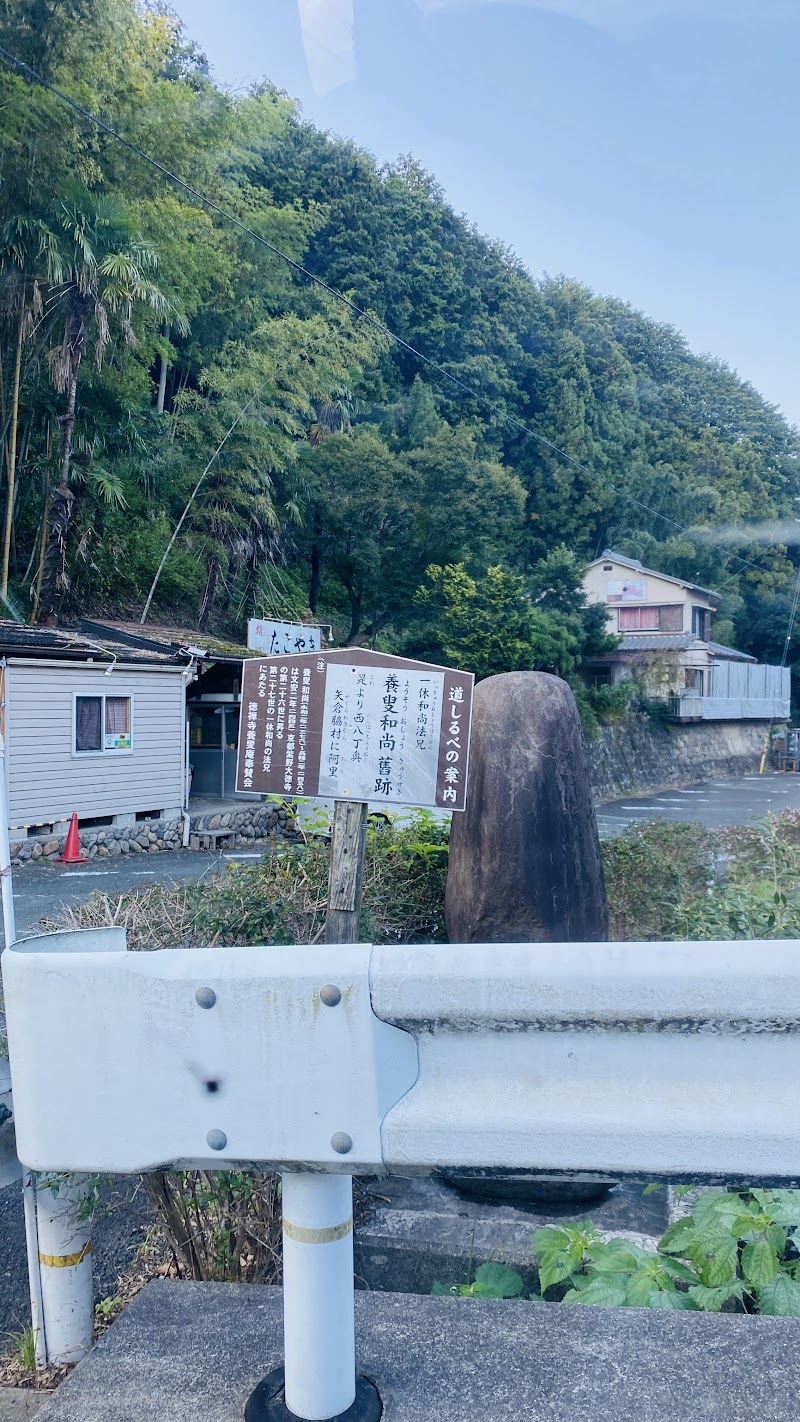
<point x="358" y="725"/>
<point x="278" y="639"/>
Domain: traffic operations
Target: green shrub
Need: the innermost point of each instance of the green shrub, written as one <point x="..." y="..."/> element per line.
<point x="736" y="1249"/>
<point x="284" y="898"/>
<point x="654" y="873"/>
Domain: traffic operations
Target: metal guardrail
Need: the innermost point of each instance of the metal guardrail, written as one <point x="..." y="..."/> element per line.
<point x="656" y="1060"/>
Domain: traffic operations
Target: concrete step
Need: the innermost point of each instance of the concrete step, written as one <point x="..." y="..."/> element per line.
<point x="412" y="1231"/>
<point x="194" y="1352"/>
<point x="19" y="1403"/>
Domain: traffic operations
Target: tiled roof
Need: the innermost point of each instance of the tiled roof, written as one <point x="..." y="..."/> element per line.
<point x="90" y="642"/>
<point x="658" y="642"/>
<point x="729" y="654"/>
<point x="679" y="642"/>
<point x="183" y="637"/>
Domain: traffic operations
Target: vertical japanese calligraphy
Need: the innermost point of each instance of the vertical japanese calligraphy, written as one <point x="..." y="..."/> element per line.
<point x="356" y="724"/>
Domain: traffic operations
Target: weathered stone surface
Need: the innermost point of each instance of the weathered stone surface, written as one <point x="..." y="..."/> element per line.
<point x="185" y="1352"/>
<point x="525" y="856"/>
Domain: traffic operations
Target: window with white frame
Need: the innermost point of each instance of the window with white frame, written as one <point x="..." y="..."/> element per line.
<point x="102" y="725"/>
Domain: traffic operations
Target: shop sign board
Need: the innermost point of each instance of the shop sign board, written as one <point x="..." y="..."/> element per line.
<point x="276" y="638"/>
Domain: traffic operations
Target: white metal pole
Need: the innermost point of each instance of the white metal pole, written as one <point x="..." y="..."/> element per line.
<point x="28" y="1180"/>
<point x="318" y="1295"/>
<point x="9" y="920"/>
<point x="65" y="1261"/>
<point x="34" y="1275"/>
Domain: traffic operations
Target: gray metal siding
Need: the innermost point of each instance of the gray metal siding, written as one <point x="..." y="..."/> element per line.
<point x="47" y="782"/>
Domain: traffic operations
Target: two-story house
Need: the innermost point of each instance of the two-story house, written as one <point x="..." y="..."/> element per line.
<point x="664" y="625"/>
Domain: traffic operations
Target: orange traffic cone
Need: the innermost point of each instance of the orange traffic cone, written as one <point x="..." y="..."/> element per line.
<point x="72" y="848"/>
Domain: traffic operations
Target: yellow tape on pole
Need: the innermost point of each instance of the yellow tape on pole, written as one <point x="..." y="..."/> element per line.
<point x="66" y="1261"/>
<point x="317" y="1236"/>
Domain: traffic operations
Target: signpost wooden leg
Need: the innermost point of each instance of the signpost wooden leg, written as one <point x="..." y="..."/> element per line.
<point x="346" y="872"/>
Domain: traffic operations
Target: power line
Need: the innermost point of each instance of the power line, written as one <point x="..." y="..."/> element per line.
<point x="792" y="616"/>
<point x="527" y="430"/>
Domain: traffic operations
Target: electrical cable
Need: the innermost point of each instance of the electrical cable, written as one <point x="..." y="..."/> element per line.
<point x="792" y="616"/>
<point x="360" y="312"/>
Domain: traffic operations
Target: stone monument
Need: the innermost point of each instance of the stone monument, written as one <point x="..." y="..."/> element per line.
<point x="525" y="856"/>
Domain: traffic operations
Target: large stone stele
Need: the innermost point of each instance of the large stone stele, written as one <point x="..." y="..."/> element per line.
<point x="525" y="856"/>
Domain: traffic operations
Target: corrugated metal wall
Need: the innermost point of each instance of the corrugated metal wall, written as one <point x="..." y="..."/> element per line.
<point x="47" y="782"/>
<point x="748" y="691"/>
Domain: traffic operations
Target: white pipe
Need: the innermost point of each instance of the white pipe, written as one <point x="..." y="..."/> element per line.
<point x="28" y="1180"/>
<point x="34" y="1276"/>
<point x="65" y="1262"/>
<point x="9" y="919"/>
<point x="318" y="1295"/>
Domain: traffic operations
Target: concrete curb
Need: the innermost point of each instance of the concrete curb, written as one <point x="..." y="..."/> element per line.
<point x="19" y="1403"/>
<point x="194" y="1352"/>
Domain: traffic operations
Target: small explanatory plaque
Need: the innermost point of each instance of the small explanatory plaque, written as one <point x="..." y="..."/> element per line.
<point x="357" y="725"/>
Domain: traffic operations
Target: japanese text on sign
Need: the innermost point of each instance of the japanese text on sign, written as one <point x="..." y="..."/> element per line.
<point x="357" y="725"/>
<point x="277" y="639"/>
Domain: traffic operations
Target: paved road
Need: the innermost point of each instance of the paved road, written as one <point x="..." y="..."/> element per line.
<point x="714" y="803"/>
<point x="42" y="889"/>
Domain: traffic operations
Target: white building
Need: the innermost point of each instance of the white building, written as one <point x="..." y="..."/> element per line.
<point x="93" y="723"/>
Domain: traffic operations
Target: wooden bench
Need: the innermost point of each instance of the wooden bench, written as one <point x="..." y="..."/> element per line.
<point x="207" y="838"/>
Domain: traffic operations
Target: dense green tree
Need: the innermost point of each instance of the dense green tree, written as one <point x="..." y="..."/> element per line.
<point x="351" y="467"/>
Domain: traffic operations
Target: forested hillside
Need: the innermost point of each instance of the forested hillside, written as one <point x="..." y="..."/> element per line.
<point x="146" y="340"/>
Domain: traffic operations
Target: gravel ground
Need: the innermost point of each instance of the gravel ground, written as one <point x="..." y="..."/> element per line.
<point x="123" y="1219"/>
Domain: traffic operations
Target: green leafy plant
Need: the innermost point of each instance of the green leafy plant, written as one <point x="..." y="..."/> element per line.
<point x="587" y="1269"/>
<point x="744" y="1246"/>
<point x="107" y="1307"/>
<point x="735" y="1249"/>
<point x="492" y="1281"/>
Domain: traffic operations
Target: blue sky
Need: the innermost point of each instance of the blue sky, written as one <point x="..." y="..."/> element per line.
<point x="646" y="147"/>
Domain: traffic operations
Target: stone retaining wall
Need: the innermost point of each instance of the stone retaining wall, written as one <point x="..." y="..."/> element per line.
<point x="643" y="753"/>
<point x="257" y="824"/>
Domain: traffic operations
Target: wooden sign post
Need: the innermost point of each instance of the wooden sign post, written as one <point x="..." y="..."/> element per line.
<point x="346" y="872"/>
<point x="357" y="727"/>
<point x="360" y="728"/>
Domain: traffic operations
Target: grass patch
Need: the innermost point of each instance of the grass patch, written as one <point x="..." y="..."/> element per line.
<point x="663" y="881"/>
<point x="285" y="898"/>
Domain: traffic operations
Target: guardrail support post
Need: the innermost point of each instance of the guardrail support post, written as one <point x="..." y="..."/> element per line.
<point x="65" y="1261"/>
<point x="318" y="1295"/>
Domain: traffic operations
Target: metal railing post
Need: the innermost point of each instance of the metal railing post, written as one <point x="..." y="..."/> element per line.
<point x="34" y="1273"/>
<point x="65" y="1263"/>
<point x="28" y="1179"/>
<point x="318" y="1295"/>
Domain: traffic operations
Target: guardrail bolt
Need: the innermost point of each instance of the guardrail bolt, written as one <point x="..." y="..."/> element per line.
<point x="330" y="995"/>
<point x="217" y="1140"/>
<point x="205" y="997"/>
<point x="341" y="1142"/>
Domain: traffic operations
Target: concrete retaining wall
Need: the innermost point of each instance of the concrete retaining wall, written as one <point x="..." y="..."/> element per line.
<point x="646" y="754"/>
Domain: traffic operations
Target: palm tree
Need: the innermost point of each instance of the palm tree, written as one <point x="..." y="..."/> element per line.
<point x="99" y="276"/>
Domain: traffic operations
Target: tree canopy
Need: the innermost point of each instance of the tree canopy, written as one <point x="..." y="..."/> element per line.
<point x="145" y="339"/>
